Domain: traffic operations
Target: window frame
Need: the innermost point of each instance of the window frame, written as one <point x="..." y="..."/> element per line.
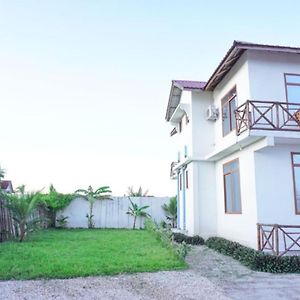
<point x="180" y="181"/>
<point x="286" y="83"/>
<point x="293" y="165"/>
<point x="226" y="100"/>
<point x="224" y="187"/>
<point x="187" y="179"/>
<point x="180" y="126"/>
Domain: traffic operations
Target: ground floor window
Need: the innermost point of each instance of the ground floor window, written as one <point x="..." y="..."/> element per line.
<point x="232" y="194"/>
<point x="296" y="179"/>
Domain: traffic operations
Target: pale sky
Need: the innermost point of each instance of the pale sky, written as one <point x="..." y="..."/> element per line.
<point x="84" y="84"/>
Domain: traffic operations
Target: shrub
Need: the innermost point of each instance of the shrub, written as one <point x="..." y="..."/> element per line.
<point x="166" y="237"/>
<point x="191" y="240"/>
<point x="254" y="259"/>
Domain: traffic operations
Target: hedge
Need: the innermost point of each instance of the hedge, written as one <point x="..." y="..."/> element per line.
<point x="192" y="240"/>
<point x="254" y="259"/>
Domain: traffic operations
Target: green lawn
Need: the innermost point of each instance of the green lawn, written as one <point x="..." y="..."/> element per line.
<point x="83" y="252"/>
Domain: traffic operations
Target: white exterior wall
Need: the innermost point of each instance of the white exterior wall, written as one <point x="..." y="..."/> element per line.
<point x="238" y="76"/>
<point x="239" y="227"/>
<point x="202" y="129"/>
<point x="274" y="185"/>
<point x="266" y="74"/>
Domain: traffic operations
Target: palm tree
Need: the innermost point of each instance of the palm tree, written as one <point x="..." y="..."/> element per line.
<point x="22" y="206"/>
<point x="137" y="211"/>
<point x="171" y="211"/>
<point x="138" y="193"/>
<point x="91" y="196"/>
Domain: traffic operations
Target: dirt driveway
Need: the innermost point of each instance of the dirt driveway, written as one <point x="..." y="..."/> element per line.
<point x="210" y="276"/>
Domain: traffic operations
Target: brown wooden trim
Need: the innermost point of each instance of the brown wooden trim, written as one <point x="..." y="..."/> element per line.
<point x="180" y="182"/>
<point x="236" y="170"/>
<point x="224" y="101"/>
<point x="297" y="210"/>
<point x="187" y="179"/>
<point x="180" y="125"/>
<point x="286" y="84"/>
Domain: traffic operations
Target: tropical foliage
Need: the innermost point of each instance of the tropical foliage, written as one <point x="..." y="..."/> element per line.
<point x="170" y="211"/>
<point x="91" y="196"/>
<point x="22" y="204"/>
<point x="52" y="202"/>
<point x="137" y="211"/>
<point x="138" y="193"/>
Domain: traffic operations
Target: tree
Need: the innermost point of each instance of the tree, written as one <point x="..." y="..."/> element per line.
<point x="170" y="211"/>
<point x="54" y="201"/>
<point x="138" y="193"/>
<point x="91" y="196"/>
<point x="22" y="205"/>
<point x="136" y="211"/>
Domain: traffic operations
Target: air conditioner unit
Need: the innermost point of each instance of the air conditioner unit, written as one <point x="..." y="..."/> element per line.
<point x="212" y="113"/>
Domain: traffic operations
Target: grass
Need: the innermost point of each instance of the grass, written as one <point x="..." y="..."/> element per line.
<point x="84" y="252"/>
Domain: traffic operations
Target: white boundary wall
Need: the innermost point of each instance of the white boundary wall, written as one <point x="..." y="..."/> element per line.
<point x="112" y="213"/>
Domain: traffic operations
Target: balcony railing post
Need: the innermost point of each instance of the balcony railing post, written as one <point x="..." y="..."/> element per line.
<point x="276" y="239"/>
<point x="258" y="237"/>
<point x="277" y="115"/>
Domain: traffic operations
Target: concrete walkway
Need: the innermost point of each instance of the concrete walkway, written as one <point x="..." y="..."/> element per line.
<point x="238" y="282"/>
<point x="210" y="276"/>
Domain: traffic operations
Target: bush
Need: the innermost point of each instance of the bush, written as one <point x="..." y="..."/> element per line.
<point x="191" y="240"/>
<point x="254" y="259"/>
<point x="166" y="237"/>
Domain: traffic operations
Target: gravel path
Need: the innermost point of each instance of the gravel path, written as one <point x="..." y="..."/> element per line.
<point x="210" y="276"/>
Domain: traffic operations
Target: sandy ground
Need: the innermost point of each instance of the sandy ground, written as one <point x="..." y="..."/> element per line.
<point x="210" y="276"/>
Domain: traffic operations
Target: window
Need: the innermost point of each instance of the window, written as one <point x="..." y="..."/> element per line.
<point x="228" y="108"/>
<point x="187" y="179"/>
<point x="232" y="193"/>
<point x="180" y="181"/>
<point x="185" y="151"/>
<point x="296" y="179"/>
<point x="186" y="119"/>
<point x="180" y="125"/>
<point x="292" y="86"/>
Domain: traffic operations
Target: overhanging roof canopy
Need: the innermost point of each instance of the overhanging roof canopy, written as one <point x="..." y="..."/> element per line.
<point x="231" y="57"/>
<point x="234" y="53"/>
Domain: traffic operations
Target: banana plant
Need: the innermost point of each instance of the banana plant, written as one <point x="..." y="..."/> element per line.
<point x="137" y="211"/>
<point x="170" y="211"/>
<point x="91" y="196"/>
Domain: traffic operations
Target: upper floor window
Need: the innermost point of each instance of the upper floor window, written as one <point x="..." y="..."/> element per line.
<point x="180" y="125"/>
<point x="296" y="179"/>
<point x="228" y="108"/>
<point x="186" y="119"/>
<point x="232" y="194"/>
<point x="292" y="86"/>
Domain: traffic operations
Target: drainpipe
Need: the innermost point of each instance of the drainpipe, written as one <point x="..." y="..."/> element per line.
<point x="178" y="199"/>
<point x="183" y="197"/>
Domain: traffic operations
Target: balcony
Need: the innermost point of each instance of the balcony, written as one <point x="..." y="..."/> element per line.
<point x="267" y="115"/>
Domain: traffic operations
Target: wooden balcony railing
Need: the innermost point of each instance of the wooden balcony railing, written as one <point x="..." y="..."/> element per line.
<point x="278" y="239"/>
<point x="267" y="115"/>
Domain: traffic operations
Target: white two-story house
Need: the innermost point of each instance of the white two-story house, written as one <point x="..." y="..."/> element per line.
<point x="237" y="137"/>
